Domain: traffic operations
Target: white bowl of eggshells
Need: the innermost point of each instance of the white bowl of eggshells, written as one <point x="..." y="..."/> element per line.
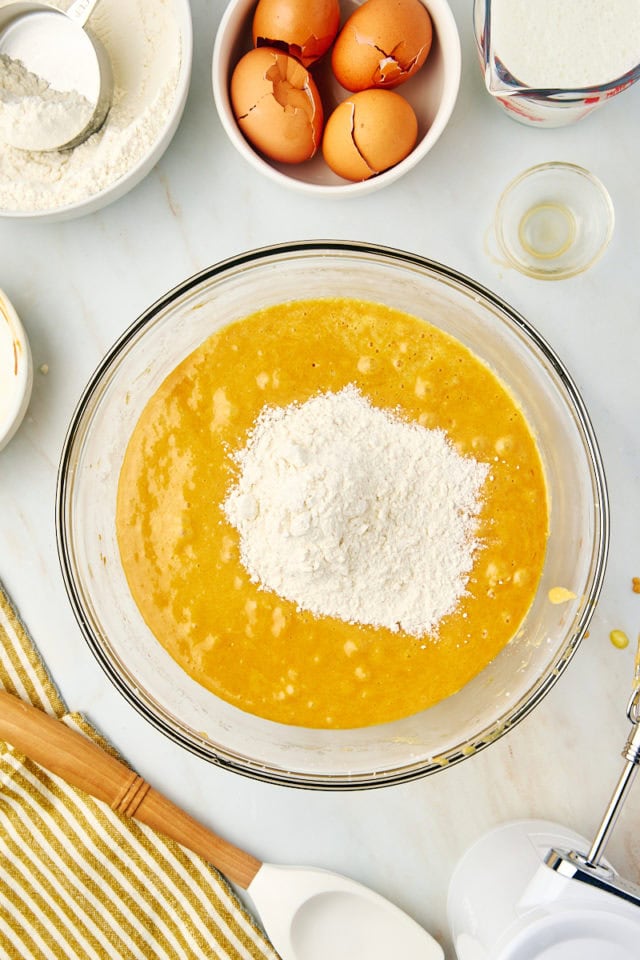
<point x="424" y="84"/>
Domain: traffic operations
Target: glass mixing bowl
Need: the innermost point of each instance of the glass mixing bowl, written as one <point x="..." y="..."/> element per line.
<point x="487" y="707"/>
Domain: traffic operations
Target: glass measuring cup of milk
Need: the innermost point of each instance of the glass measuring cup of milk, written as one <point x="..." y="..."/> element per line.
<point x="551" y="62"/>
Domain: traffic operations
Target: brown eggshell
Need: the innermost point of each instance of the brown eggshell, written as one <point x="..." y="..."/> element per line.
<point x="277" y="105"/>
<point x="305" y="29"/>
<point x="382" y="44"/>
<point x="368" y="133"/>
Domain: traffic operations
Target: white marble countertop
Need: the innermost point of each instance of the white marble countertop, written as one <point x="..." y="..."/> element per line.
<point x="78" y="284"/>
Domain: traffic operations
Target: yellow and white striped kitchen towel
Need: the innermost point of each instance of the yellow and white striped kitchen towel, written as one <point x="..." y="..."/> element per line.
<point x="78" y="882"/>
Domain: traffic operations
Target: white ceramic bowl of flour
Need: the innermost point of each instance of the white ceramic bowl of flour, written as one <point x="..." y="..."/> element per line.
<point x="150" y="45"/>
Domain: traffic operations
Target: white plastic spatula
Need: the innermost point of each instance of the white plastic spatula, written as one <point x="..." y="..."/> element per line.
<point x="309" y="914"/>
<point x="312" y="914"/>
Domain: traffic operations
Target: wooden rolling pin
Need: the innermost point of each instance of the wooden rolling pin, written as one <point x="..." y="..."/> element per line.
<point x="83" y="764"/>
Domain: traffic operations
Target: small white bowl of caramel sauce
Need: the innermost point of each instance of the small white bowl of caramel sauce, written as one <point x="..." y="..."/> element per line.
<point x="16" y="371"/>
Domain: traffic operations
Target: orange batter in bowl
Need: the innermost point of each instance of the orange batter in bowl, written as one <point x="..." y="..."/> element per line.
<point x="181" y="556"/>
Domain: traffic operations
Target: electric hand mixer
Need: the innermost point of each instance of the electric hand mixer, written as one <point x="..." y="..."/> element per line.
<point x="527" y="890"/>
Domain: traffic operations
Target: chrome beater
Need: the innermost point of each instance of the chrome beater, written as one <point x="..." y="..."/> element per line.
<point x="587" y="867"/>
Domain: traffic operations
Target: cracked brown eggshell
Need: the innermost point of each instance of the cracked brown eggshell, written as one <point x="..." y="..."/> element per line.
<point x="382" y="44"/>
<point x="369" y="132"/>
<point x="305" y="29"/>
<point x="277" y="105"/>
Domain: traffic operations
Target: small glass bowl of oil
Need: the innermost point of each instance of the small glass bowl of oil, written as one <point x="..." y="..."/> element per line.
<point x="554" y="221"/>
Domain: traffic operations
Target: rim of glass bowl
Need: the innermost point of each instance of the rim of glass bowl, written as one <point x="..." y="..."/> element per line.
<point x="214" y="753"/>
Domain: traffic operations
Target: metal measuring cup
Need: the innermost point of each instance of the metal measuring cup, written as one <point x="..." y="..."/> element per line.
<point x="53" y="51"/>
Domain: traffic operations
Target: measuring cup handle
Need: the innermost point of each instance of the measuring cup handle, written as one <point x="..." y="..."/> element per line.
<point x="81" y="10"/>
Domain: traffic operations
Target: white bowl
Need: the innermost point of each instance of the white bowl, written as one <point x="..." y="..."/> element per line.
<point x="432" y="93"/>
<point x="16" y="371"/>
<point x="122" y="183"/>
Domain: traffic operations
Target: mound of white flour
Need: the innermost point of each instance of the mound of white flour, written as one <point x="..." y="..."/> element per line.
<point x="349" y="511"/>
<point x="33" y="112"/>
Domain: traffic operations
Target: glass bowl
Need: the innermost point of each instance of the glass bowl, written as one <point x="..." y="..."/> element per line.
<point x="487" y="707"/>
<point x="554" y="221"/>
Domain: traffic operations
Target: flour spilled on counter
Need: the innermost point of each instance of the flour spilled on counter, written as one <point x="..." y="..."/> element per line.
<point x="142" y="38"/>
<point x="351" y="512"/>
